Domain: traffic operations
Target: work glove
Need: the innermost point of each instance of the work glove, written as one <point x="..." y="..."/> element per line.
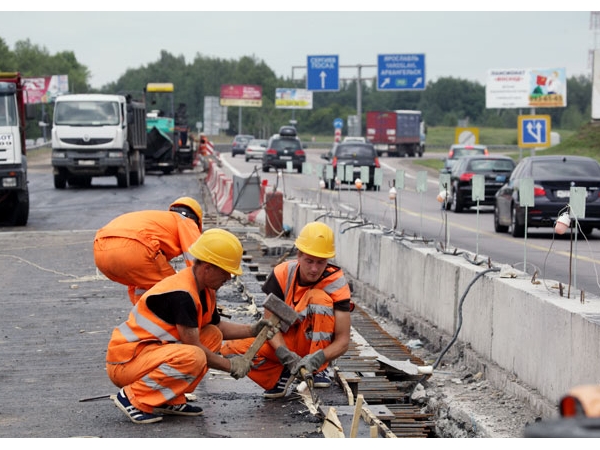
<point x="287" y="357"/>
<point x="239" y="367"/>
<point x="310" y="362"/>
<point x="256" y="328"/>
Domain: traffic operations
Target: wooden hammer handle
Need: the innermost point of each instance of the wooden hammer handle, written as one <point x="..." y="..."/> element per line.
<point x="260" y="339"/>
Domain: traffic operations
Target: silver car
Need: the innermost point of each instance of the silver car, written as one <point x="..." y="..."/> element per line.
<point x="255" y="149"/>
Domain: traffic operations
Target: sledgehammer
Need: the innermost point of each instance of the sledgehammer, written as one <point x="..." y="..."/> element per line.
<point x="283" y="315"/>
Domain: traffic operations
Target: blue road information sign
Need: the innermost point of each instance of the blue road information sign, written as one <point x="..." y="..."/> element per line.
<point x="534" y="131"/>
<point x="401" y="72"/>
<point x="323" y="73"/>
<point x="338" y="123"/>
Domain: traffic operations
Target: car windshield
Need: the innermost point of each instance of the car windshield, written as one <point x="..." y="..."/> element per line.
<point x="82" y="113"/>
<point x="290" y="144"/>
<point x="491" y="165"/>
<point x="567" y="168"/>
<point x="354" y="151"/>
<point x="257" y="143"/>
<point x="242" y="139"/>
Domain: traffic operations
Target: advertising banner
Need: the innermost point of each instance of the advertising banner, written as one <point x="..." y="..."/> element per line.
<point x="290" y="98"/>
<point x="45" y="89"/>
<point x="526" y="88"/>
<point x="241" y="95"/>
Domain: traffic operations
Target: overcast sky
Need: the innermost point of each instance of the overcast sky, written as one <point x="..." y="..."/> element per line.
<point x="455" y="44"/>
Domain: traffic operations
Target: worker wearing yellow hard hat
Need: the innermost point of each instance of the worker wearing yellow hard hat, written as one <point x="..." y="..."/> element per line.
<point x="174" y="332"/>
<point x="135" y="249"/>
<point x="318" y="291"/>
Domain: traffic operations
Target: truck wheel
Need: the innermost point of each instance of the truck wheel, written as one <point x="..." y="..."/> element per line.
<point x="136" y="176"/>
<point x="60" y="181"/>
<point x="21" y="213"/>
<point x="143" y="169"/>
<point x="123" y="180"/>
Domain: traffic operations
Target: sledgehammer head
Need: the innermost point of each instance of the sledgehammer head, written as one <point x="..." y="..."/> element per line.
<point x="283" y="311"/>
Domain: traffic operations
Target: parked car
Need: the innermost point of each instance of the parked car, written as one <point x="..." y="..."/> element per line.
<point x="495" y="169"/>
<point x="238" y="146"/>
<point x="255" y="149"/>
<point x="283" y="148"/>
<point x="552" y="176"/>
<point x="356" y="154"/>
<point x="458" y="150"/>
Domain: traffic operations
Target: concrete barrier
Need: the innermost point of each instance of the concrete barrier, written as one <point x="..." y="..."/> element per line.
<point x="548" y="342"/>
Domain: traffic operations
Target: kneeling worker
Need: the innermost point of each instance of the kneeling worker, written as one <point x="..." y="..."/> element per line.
<point x="174" y="332"/>
<point x="318" y="291"/>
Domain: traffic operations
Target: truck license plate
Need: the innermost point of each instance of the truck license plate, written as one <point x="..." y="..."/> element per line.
<point x="86" y="162"/>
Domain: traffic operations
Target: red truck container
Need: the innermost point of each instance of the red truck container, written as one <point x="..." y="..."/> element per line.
<point x="397" y="133"/>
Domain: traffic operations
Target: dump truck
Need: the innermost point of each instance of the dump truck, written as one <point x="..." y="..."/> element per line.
<point x="397" y="133"/>
<point x="14" y="192"/>
<point x="98" y="135"/>
<point x="168" y="146"/>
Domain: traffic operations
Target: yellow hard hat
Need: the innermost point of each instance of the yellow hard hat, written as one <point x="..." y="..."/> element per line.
<point x="221" y="248"/>
<point x="191" y="205"/>
<point x="316" y="239"/>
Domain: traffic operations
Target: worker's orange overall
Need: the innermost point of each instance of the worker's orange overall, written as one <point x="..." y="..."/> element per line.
<point x="135" y="249"/>
<point x="314" y="305"/>
<point x="146" y="357"/>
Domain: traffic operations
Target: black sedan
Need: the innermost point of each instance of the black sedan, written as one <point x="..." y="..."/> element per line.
<point x="353" y="154"/>
<point x="495" y="170"/>
<point x="552" y="178"/>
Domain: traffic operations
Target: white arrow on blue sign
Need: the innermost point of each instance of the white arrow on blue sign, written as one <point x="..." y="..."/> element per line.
<point x="401" y="72"/>
<point x="338" y="123"/>
<point x="322" y="73"/>
<point x="534" y="131"/>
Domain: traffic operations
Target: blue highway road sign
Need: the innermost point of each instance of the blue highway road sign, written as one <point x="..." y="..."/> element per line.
<point x="338" y="123"/>
<point x="534" y="131"/>
<point x="323" y="73"/>
<point x="401" y="72"/>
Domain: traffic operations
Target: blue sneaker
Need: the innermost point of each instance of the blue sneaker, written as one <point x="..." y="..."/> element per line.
<point x="321" y="379"/>
<point x="134" y="414"/>
<point x="280" y="389"/>
<point x="183" y="409"/>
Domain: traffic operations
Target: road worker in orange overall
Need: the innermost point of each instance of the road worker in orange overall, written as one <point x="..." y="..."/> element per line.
<point x="318" y="291"/>
<point x="173" y="333"/>
<point x="135" y="248"/>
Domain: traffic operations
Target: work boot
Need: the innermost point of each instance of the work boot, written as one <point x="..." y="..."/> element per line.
<point x="183" y="409"/>
<point x="321" y="379"/>
<point x="280" y="389"/>
<point x="134" y="414"/>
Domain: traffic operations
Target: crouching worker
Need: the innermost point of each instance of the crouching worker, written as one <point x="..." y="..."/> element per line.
<point x="319" y="293"/>
<point x="135" y="249"/>
<point x="173" y="335"/>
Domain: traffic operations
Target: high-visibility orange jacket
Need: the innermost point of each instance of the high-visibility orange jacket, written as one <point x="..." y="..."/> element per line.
<point x="144" y="326"/>
<point x="145" y="355"/>
<point x="315" y="304"/>
<point x="134" y="249"/>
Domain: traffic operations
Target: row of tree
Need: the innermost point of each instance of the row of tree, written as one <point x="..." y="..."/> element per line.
<point x="445" y="102"/>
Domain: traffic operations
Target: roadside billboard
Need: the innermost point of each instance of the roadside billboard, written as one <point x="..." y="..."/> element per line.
<point x="241" y="95"/>
<point x="526" y="88"/>
<point x="290" y="98"/>
<point x="45" y="89"/>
